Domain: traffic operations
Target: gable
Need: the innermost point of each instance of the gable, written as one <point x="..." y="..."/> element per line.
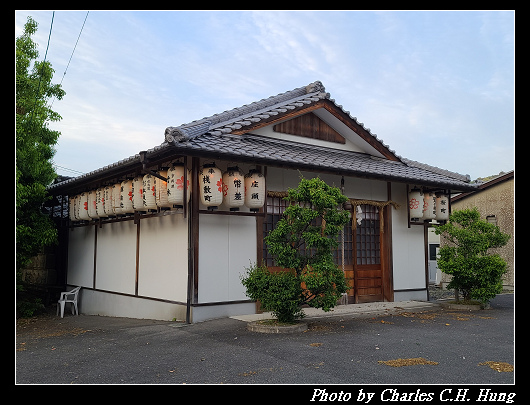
<point x="309" y="126"/>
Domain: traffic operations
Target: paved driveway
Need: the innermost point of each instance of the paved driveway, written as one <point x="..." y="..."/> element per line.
<point x="342" y="349"/>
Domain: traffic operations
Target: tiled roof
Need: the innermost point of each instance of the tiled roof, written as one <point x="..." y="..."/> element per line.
<point x="213" y="137"/>
<point x="270" y="151"/>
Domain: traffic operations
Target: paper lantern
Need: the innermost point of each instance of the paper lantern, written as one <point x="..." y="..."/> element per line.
<point x="92" y="197"/>
<point x="211" y="185"/>
<point x="126" y="193"/>
<point x="234" y="188"/>
<point x="83" y="207"/>
<point x="442" y="207"/>
<point x="100" y="202"/>
<point x="116" y="194"/>
<point x="254" y="190"/>
<point x="428" y="206"/>
<point x="149" y="193"/>
<point x="175" y="184"/>
<point x="108" y="207"/>
<point x="416" y="203"/>
<point x="72" y="208"/>
<point x="137" y="193"/>
<point x="161" y="191"/>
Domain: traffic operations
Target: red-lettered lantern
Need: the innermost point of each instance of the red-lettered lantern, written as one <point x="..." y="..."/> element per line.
<point x="211" y="186"/>
<point x="83" y="207"/>
<point x="92" y="199"/>
<point x="254" y="190"/>
<point x="126" y="197"/>
<point x="108" y="207"/>
<point x="100" y="202"/>
<point x="116" y="196"/>
<point x="416" y="203"/>
<point x="72" y="211"/>
<point x="428" y="206"/>
<point x="149" y="193"/>
<point x="442" y="207"/>
<point x="161" y="191"/>
<point x="137" y="193"/>
<point x="234" y="188"/>
<point x="175" y="184"/>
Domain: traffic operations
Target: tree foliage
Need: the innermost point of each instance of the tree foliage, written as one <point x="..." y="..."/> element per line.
<point x="302" y="242"/>
<point x="475" y="272"/>
<point x="34" y="146"/>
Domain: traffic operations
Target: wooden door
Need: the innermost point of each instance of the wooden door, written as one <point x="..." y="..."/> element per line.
<point x="368" y="263"/>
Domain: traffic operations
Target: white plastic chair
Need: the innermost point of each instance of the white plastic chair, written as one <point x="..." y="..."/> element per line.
<point x="68" y="296"/>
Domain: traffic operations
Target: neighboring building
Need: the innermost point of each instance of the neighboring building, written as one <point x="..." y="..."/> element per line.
<point x="186" y="262"/>
<point x="495" y="200"/>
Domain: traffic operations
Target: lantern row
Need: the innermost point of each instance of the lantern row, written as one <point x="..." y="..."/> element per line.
<point x="148" y="193"/>
<point x="428" y="206"/>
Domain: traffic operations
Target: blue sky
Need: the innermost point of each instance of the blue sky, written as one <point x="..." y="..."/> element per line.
<point x="436" y="86"/>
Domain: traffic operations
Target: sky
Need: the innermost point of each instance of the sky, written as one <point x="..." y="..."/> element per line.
<point x="436" y="86"/>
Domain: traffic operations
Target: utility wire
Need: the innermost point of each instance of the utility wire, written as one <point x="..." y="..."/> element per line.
<point x="75" y="46"/>
<point x="68" y="169"/>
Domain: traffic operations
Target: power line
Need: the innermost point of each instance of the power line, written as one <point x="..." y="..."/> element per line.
<point x="75" y="46"/>
<point x="68" y="169"/>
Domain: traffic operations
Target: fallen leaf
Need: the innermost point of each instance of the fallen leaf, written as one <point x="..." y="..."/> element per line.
<point x="315" y="344"/>
<point x="498" y="366"/>
<point x="407" y="362"/>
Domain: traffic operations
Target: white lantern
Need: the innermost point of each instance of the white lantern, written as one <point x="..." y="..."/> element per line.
<point x="442" y="207"/>
<point x="83" y="207"/>
<point x="126" y="203"/>
<point x="211" y="185"/>
<point x="428" y="206"/>
<point x="72" y="208"/>
<point x="416" y="203"/>
<point x="149" y="193"/>
<point x="100" y="202"/>
<point x="175" y="184"/>
<point x="234" y="188"/>
<point x="254" y="190"/>
<point x="116" y="195"/>
<point x="137" y="193"/>
<point x="161" y="191"/>
<point x="108" y="207"/>
<point x="77" y="199"/>
<point x="92" y="197"/>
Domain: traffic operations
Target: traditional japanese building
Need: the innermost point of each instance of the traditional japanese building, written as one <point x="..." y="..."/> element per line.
<point x="167" y="233"/>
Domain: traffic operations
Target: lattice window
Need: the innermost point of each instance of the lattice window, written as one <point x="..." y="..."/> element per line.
<point x="367" y="238"/>
<point x="275" y="208"/>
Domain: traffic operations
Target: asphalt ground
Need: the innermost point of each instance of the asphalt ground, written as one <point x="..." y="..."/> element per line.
<point x="336" y="350"/>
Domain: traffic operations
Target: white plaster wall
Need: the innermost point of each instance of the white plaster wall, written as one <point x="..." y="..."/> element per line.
<point x="227" y="244"/>
<point x="408" y="249"/>
<point x="81" y="256"/>
<point x="116" y="257"/>
<point x="281" y="179"/>
<point x="163" y="265"/>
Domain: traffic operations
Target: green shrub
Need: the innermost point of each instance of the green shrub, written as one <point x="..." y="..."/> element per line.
<point x="474" y="272"/>
<point x="302" y="242"/>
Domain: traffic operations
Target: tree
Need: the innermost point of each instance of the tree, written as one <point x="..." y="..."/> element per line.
<point x="475" y="272"/>
<point x="34" y="146"/>
<point x="302" y="243"/>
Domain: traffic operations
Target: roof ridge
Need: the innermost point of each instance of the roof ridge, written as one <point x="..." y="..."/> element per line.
<point x="203" y="125"/>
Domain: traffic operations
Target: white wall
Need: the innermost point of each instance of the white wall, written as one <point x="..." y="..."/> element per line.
<point x="408" y="248"/>
<point x="81" y="256"/>
<point x="163" y="267"/>
<point x="227" y="244"/>
<point x="116" y="257"/>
